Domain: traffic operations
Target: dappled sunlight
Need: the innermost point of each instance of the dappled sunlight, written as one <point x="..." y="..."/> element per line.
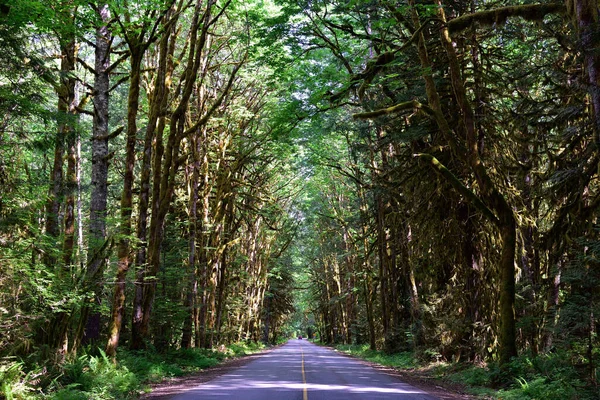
<point x="249" y="384"/>
<point x="301" y="370"/>
<point x="244" y="384"/>
<point x="185" y="183"/>
<point x="363" y="389"/>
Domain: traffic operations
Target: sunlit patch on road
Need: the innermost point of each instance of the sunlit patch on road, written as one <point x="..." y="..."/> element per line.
<point x="299" y="371"/>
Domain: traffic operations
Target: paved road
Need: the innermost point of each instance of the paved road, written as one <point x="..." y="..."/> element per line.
<point x="300" y="370"/>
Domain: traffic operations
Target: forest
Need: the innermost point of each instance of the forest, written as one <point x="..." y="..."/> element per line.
<point x="179" y="177"/>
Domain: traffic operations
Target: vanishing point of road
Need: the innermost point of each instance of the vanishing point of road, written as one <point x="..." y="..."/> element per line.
<point x="300" y="370"/>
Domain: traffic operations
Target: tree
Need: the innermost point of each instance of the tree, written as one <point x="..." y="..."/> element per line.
<point x="89" y="326"/>
<point x="138" y="35"/>
<point x="456" y="132"/>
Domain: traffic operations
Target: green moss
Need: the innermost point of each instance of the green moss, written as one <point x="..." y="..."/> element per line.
<point x="498" y="16"/>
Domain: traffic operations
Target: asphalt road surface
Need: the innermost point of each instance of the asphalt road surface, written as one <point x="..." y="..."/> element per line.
<point x="300" y="370"/>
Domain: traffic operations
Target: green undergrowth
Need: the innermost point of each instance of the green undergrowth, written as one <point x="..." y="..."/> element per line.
<point x="544" y="377"/>
<point x="95" y="376"/>
<point x="404" y="360"/>
<point x="548" y="377"/>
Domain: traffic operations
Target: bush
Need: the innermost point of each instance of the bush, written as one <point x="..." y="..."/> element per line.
<point x="245" y="348"/>
<point x="91" y="377"/>
<point x="540" y="388"/>
<point x="13" y="382"/>
<point x="472" y="375"/>
<point x="154" y="367"/>
<point x="95" y="376"/>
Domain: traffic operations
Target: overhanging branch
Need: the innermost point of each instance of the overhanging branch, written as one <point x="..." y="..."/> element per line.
<point x="497" y="16"/>
<point x="408" y="105"/>
<point x="458" y="185"/>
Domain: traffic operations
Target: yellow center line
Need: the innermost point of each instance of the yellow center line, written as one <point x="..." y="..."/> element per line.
<point x="305" y="391"/>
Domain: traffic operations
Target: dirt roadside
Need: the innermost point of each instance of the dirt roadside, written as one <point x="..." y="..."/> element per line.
<point x="167" y="389"/>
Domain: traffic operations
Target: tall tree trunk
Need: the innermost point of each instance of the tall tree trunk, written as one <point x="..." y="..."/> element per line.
<point x="369" y="294"/>
<point x="70" y="135"/>
<point x="204" y="239"/>
<point x="220" y="294"/>
<point x="56" y="177"/>
<point x="123" y="252"/>
<point x="90" y="327"/>
<point x="416" y="315"/>
<point x="192" y="291"/>
<point x="71" y="181"/>
<point x="383" y="266"/>
<point x="79" y="204"/>
<point x="53" y="203"/>
<point x="551" y="314"/>
<point x="66" y="135"/>
<point x="158" y="97"/>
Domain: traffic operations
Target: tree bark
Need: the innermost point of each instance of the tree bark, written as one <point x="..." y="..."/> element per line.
<point x="66" y="135"/>
<point x="123" y="252"/>
<point x="165" y="170"/>
<point x="158" y="98"/>
<point x="100" y="162"/>
<point x="192" y="291"/>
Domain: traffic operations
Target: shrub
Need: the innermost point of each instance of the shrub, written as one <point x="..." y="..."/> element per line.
<point x="13" y="382"/>
<point x="94" y="377"/>
<point x="539" y="388"/>
<point x="472" y="375"/>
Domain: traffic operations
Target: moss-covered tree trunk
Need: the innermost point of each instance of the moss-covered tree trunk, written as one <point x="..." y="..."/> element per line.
<point x="158" y="93"/>
<point x="70" y="133"/>
<point x="123" y="252"/>
<point x="368" y="290"/>
<point x="193" y="178"/>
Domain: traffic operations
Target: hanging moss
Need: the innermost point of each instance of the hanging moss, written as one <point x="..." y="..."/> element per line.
<point x="497" y="16"/>
<point x="458" y="185"/>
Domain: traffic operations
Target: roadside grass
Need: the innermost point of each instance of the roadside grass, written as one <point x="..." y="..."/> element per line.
<point x="398" y="360"/>
<point x="94" y="376"/>
<point x="545" y="377"/>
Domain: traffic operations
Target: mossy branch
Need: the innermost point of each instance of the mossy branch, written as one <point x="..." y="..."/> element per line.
<point x="458" y="185"/>
<point x="375" y="66"/>
<point x="408" y="105"/>
<point x="529" y="12"/>
<point x="372" y="69"/>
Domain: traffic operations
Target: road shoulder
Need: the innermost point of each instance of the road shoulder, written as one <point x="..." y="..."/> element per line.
<point x="435" y="387"/>
<point x="169" y="388"/>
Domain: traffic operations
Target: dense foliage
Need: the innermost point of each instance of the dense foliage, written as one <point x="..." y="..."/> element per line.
<point x="418" y="176"/>
<point x="455" y="192"/>
<point x="143" y="194"/>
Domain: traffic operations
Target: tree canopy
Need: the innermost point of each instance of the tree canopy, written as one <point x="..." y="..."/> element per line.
<point x="418" y="176"/>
